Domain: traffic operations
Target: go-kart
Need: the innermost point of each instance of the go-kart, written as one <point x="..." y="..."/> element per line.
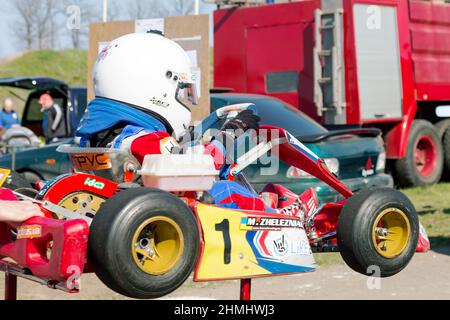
<point x="150" y="226"/>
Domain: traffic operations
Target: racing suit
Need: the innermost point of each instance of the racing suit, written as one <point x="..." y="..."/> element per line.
<point x="108" y="123"/>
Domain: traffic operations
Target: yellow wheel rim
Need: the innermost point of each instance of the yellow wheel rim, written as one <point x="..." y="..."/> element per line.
<point x="82" y="202"/>
<point x="157" y="245"/>
<point x="391" y="232"/>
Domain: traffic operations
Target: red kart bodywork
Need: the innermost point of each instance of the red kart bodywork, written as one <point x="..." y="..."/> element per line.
<point x="63" y="185"/>
<point x="68" y="240"/>
<point x="294" y="153"/>
<point x="70" y="237"/>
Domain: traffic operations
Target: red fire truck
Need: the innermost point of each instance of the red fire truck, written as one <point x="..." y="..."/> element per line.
<point x="350" y="63"/>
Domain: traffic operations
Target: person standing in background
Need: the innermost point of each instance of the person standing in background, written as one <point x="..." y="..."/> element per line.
<point x="8" y="117"/>
<point x="54" y="125"/>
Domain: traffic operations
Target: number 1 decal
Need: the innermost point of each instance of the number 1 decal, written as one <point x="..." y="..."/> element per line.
<point x="224" y="227"/>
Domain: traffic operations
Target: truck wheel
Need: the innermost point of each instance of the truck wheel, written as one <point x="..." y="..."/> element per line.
<point x="423" y="162"/>
<point x="442" y="126"/>
<point x="144" y="243"/>
<point x="446" y="149"/>
<point x="378" y="230"/>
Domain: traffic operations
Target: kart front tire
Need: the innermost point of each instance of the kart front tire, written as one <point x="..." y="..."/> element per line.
<point x="125" y="224"/>
<point x="362" y="226"/>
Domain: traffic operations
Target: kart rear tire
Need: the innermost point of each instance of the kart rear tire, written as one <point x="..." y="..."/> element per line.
<point x="16" y="180"/>
<point x="27" y="192"/>
<point x="32" y="177"/>
<point x="364" y="215"/>
<point x="128" y="217"/>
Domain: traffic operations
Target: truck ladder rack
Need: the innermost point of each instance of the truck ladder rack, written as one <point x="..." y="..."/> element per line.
<point x="329" y="79"/>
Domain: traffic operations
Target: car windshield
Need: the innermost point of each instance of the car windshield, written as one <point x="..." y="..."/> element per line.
<point x="277" y="113"/>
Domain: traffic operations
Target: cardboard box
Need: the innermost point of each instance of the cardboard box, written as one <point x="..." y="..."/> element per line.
<point x="191" y="32"/>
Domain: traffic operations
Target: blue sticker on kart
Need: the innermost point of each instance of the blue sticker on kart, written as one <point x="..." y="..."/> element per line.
<point x="283" y="251"/>
<point x="50" y="184"/>
<point x="301" y="147"/>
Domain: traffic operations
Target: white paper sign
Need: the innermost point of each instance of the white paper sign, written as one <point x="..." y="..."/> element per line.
<point x="192" y="54"/>
<point x="145" y="25"/>
<point x="198" y="80"/>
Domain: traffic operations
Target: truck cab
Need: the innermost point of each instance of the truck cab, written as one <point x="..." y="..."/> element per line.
<point x="44" y="162"/>
<point x="349" y="64"/>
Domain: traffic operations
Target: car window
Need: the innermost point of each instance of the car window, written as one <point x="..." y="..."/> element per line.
<point x="34" y="111"/>
<point x="286" y="81"/>
<point x="277" y="113"/>
<point x="80" y="104"/>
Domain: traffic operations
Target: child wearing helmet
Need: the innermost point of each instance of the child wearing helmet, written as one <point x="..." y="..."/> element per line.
<point x="144" y="91"/>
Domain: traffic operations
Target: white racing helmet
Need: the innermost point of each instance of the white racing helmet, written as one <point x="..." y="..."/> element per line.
<point x="151" y="73"/>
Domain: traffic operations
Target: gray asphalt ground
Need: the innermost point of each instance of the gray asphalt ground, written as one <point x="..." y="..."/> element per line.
<point x="426" y="277"/>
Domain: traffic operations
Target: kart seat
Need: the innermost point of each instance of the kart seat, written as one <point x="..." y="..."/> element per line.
<point x="276" y="196"/>
<point x="111" y="164"/>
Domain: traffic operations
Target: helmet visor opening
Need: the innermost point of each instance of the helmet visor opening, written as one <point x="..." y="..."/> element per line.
<point x="186" y="94"/>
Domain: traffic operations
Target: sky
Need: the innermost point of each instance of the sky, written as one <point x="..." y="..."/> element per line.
<point x="8" y="43"/>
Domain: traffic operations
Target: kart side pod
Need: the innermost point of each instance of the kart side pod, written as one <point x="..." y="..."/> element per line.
<point x="51" y="249"/>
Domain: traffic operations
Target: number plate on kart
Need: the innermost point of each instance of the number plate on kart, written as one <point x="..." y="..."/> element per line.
<point x="29" y="232"/>
<point x="4" y="173"/>
<point x="91" y="161"/>
<point x="239" y="244"/>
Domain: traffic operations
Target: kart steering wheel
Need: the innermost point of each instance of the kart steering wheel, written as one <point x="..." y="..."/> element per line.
<point x="234" y="109"/>
<point x="227" y="112"/>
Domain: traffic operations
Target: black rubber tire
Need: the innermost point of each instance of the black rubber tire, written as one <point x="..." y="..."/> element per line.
<point x="406" y="173"/>
<point x="16" y="181"/>
<point x="354" y="230"/>
<point x="111" y="234"/>
<point x="444" y="128"/>
<point x="28" y="192"/>
<point x="32" y="177"/>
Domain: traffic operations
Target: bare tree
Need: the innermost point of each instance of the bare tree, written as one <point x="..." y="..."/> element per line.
<point x="47" y="23"/>
<point x="144" y="9"/>
<point x="36" y="26"/>
<point x="42" y="15"/>
<point x="78" y="14"/>
<point x="24" y="28"/>
<point x="181" y="7"/>
<point x="115" y="10"/>
<point x="55" y="22"/>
